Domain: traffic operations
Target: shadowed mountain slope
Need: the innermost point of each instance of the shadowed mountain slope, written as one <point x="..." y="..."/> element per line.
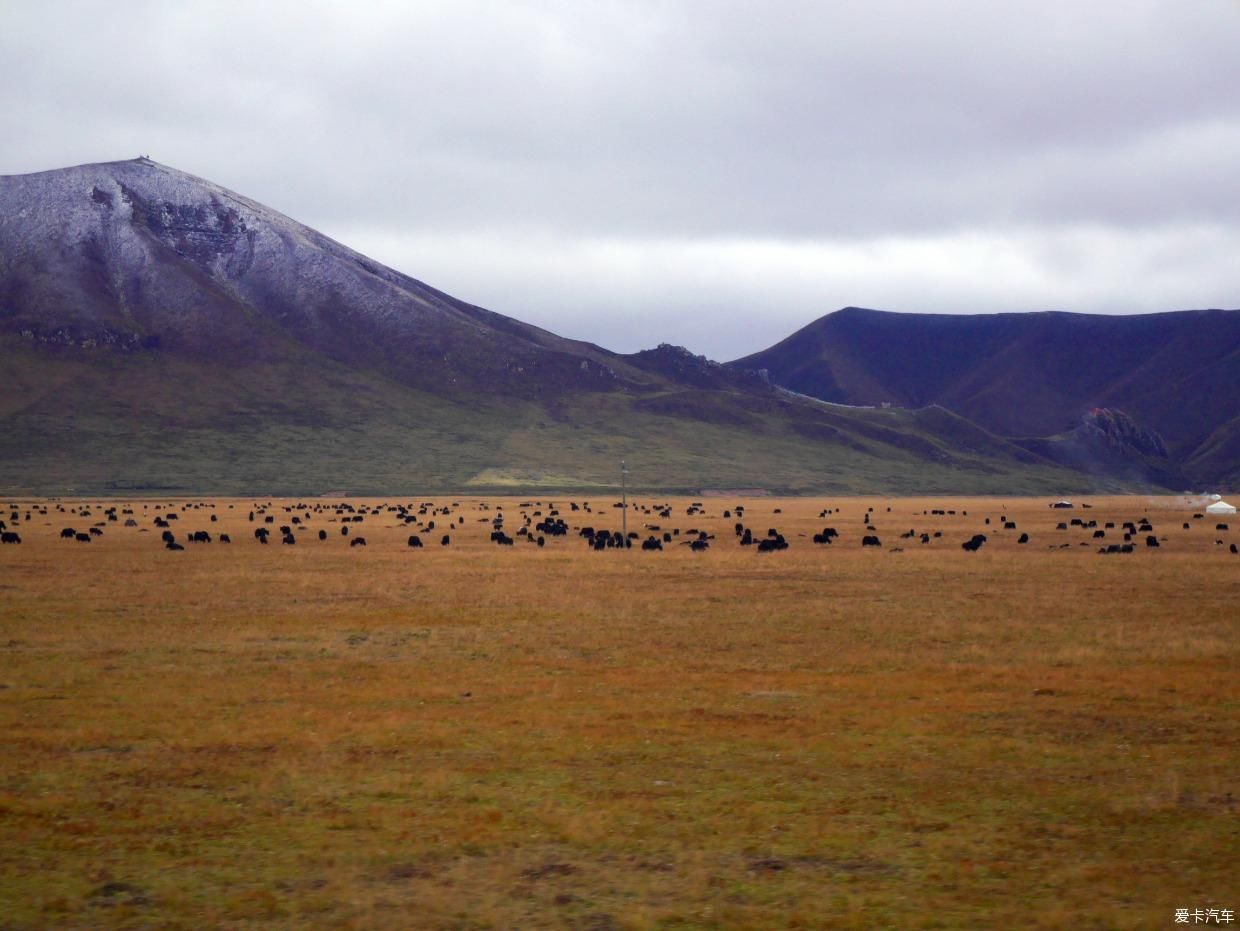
<point x="1032" y="375"/>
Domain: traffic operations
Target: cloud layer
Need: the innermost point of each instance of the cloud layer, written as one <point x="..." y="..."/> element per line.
<point x="715" y="174"/>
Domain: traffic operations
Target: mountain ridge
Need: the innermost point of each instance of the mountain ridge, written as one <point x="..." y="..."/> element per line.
<point x="1028" y="376"/>
<point x="162" y="331"/>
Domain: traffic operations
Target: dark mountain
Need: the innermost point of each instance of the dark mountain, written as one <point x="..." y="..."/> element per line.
<point x="159" y="332"/>
<point x="1173" y="378"/>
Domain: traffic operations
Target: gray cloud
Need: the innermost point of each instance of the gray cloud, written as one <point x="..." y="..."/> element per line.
<point x="709" y="173"/>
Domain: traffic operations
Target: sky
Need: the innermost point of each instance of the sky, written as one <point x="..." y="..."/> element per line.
<point x="710" y="174"/>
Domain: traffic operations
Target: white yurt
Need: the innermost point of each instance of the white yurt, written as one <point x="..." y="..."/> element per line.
<point x="1221" y="507"/>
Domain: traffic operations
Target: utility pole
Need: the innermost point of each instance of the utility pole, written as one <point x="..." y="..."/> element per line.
<point x="624" y="503"/>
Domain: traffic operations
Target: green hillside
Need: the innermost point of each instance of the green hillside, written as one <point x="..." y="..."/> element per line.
<point x="96" y="421"/>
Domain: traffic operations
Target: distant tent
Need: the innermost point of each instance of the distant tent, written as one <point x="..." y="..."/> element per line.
<point x="1221" y="507"/>
<point x="1062" y="504"/>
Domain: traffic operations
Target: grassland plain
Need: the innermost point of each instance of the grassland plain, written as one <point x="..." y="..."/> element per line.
<point x="245" y="736"/>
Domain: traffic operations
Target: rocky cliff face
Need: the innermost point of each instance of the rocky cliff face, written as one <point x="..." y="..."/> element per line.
<point x="1116" y="431"/>
<point x="139" y="256"/>
<point x="1107" y="442"/>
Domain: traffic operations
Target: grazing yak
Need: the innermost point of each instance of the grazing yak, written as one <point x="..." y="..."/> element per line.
<point x="415" y="541"/>
<point x="871" y="541"/>
<point x="974" y="544"/>
<point x="357" y="541"/>
<point x="554" y="527"/>
<point x="771" y="544"/>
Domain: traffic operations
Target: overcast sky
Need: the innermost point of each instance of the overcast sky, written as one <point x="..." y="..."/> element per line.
<point x="710" y="174"/>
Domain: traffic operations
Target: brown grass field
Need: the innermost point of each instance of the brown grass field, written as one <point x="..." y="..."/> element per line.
<point x="246" y="736"/>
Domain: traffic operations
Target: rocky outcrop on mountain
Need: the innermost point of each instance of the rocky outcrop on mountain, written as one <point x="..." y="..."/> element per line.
<point x="1109" y="442"/>
<point x="684" y="367"/>
<point x="1117" y="431"/>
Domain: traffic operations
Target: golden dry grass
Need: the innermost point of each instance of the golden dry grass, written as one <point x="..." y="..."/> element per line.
<point x="481" y="737"/>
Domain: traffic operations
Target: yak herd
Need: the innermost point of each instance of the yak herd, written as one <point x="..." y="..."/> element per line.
<point x="538" y="522"/>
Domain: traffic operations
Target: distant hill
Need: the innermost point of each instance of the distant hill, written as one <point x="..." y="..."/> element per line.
<point x="1038" y="379"/>
<point x="161" y="333"/>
